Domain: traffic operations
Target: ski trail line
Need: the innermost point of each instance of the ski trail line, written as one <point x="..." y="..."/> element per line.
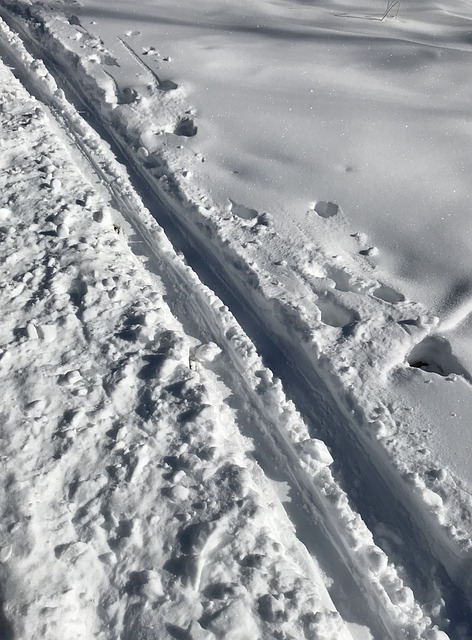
<point x="206" y="319"/>
<point x="206" y="325"/>
<point x="209" y="324"/>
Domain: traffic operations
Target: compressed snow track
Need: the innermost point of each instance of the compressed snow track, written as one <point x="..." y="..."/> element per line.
<point x="245" y="376"/>
<point x="129" y="500"/>
<point x="207" y="326"/>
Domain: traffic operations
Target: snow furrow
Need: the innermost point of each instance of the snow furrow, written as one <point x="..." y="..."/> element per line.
<point x="130" y="506"/>
<point x="285" y="437"/>
<point x="230" y="264"/>
<point x="369" y="458"/>
<point x="213" y="322"/>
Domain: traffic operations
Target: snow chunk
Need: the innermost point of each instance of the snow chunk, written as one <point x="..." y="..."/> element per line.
<point x="432" y="499"/>
<point x="233" y="623"/>
<point x="6" y="553"/>
<point x="435" y="634"/>
<point x="62" y="230"/>
<point x="152" y="587"/>
<point x="404" y="598"/>
<point x="313" y="449"/>
<point x="179" y="493"/>
<point x="377" y="560"/>
<point x="5" y="213"/>
<point x="142" y="153"/>
<point x="207" y="352"/>
<point x="56" y="184"/>
<point x="31" y="332"/>
<point x="71" y="377"/>
<point x="47" y="332"/>
<point x="39" y="68"/>
<point x="103" y="216"/>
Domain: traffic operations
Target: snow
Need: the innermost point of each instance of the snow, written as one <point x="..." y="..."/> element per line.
<point x="126" y="477"/>
<point x="298" y="101"/>
<point x="160" y="480"/>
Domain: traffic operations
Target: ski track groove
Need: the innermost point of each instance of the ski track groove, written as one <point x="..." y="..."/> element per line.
<point x="209" y="325"/>
<point x="205" y="326"/>
<point x="326" y="418"/>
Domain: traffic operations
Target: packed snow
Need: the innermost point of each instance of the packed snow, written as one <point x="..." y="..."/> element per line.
<point x="235" y="354"/>
<point x="131" y="504"/>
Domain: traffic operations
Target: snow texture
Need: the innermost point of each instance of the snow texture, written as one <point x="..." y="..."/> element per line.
<point x="160" y="480"/>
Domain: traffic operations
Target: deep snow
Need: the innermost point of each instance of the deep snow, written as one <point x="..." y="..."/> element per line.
<point x="131" y="506"/>
<point x="300" y="102"/>
<point x="369" y="370"/>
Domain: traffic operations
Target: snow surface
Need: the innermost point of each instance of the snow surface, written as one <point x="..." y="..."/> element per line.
<point x="131" y="506"/>
<point x="159" y="480"/>
<point x="303" y="102"/>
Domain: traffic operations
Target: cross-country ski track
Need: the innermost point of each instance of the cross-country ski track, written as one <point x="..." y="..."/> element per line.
<point x="418" y="587"/>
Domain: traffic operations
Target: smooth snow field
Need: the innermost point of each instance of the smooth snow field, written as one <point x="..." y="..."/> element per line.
<point x="300" y="102"/>
<point x="235" y="328"/>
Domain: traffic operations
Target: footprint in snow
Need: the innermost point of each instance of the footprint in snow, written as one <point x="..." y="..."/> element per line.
<point x="243" y="212"/>
<point x="333" y="313"/>
<point x="343" y="281"/>
<point x="434" y="355"/>
<point x="122" y="530"/>
<point x="74" y="21"/>
<point x="326" y="209"/>
<point x="387" y="294"/>
<point x="185" y="127"/>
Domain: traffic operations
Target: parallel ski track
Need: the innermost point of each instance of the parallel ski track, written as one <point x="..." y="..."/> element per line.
<point x="200" y="319"/>
<point x="291" y="364"/>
